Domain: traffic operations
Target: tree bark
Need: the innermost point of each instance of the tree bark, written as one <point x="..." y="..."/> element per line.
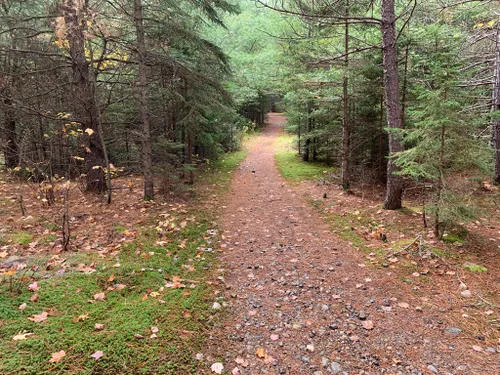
<point x="88" y="113"/>
<point x="147" y="159"/>
<point x="495" y="108"/>
<point x="307" y="144"/>
<point x="393" y="199"/>
<point x="346" y="130"/>
<point x="11" y="149"/>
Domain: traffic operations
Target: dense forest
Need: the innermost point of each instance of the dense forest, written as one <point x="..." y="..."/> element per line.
<point x="249" y="187"/>
<point x="406" y="93"/>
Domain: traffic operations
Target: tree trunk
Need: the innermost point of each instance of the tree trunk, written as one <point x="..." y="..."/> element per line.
<point x="346" y="130"/>
<point x="11" y="149"/>
<point x="307" y="144"/>
<point x="84" y="89"/>
<point x="147" y="159"/>
<point x="189" y="154"/>
<point x="393" y="199"/>
<point x="495" y="108"/>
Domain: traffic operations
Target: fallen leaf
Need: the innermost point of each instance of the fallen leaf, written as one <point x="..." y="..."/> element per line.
<point x="99" y="327"/>
<point x="99" y="296"/>
<point x="235" y="371"/>
<point x="56" y="357"/>
<point x="35" y="298"/>
<point x="268" y="360"/>
<point x="242" y="362"/>
<point x="261" y="352"/>
<point x="22" y="336"/>
<point x="89" y="131"/>
<point x="217" y="368"/>
<point x="34" y="287"/>
<point x="477" y="348"/>
<point x="40" y="317"/>
<point x="4" y="254"/>
<point x="275" y="337"/>
<point x="97" y="355"/>
<point x="186" y="314"/>
<point x="367" y="324"/>
<point x="81" y="318"/>
<point x="111" y="278"/>
<point x="404" y="305"/>
<point x="155" y="329"/>
<point x="22" y="307"/>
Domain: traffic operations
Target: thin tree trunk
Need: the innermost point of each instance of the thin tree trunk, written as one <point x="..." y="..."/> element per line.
<point x="189" y="154"/>
<point x="147" y="159"/>
<point x="496" y="107"/>
<point x="405" y="87"/>
<point x="88" y="110"/>
<point x="11" y="149"/>
<point x="307" y="144"/>
<point x="394" y="194"/>
<point x="346" y="130"/>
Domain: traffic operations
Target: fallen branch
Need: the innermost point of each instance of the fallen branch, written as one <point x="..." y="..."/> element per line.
<point x="419" y="238"/>
<point x="487" y="302"/>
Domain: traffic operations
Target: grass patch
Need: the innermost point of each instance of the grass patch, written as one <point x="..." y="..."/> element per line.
<point x="52" y="227"/>
<point x="120" y="229"/>
<point x="182" y="315"/>
<point x="21" y="237"/>
<point x="291" y="166"/>
<point x="453" y="238"/>
<point x="475" y="268"/>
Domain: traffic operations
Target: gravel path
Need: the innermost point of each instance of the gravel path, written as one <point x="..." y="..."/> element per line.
<point x="301" y="301"/>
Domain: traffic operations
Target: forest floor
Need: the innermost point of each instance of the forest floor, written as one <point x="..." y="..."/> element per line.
<point x="133" y="294"/>
<point x="270" y="269"/>
<point x="312" y="287"/>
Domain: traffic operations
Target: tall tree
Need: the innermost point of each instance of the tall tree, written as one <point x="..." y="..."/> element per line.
<point x="346" y="129"/>
<point x="394" y="192"/>
<point x="495" y="107"/>
<point x="147" y="162"/>
<point x="84" y="88"/>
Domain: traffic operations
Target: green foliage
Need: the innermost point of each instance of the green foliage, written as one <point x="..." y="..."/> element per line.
<point x="21" y="237"/>
<point x="475" y="268"/>
<point x="127" y="314"/>
<point x="291" y="166"/>
<point x="439" y="127"/>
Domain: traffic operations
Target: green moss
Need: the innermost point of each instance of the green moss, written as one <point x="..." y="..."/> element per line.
<point x="291" y="166"/>
<point x="120" y="229"/>
<point x="475" y="267"/>
<point x="21" y="237"/>
<point x="453" y="238"/>
<point x="127" y="314"/>
<point x="295" y="170"/>
<point x="52" y="227"/>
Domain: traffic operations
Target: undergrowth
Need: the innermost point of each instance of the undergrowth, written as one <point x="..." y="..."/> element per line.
<point x="137" y="299"/>
<point x="291" y="166"/>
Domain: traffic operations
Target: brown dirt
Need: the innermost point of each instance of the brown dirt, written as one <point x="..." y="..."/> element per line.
<point x="297" y="295"/>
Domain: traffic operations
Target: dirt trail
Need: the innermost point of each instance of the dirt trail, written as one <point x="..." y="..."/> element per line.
<point x="308" y="299"/>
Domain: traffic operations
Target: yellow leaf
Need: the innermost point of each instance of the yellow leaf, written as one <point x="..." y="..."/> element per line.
<point x="78" y="158"/>
<point x="261" y="352"/>
<point x="89" y="131"/>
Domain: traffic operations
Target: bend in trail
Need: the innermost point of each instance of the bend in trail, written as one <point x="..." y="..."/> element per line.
<point x="301" y="301"/>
